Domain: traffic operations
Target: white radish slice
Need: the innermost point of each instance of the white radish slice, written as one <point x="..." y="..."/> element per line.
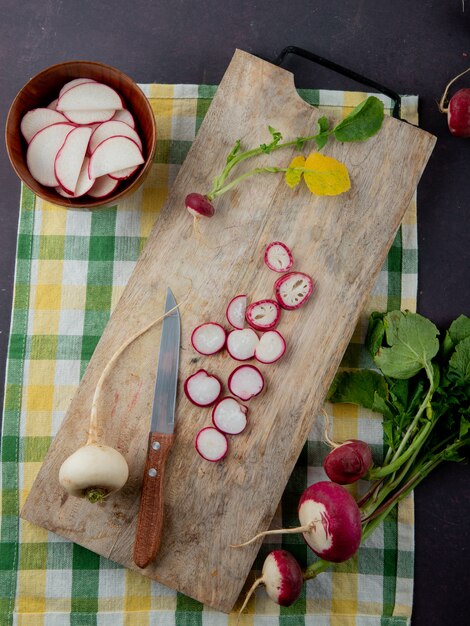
<point x="52" y="105"/>
<point x="87" y="96"/>
<point x="245" y="382"/>
<point x="74" y="83"/>
<point x="112" y="129"/>
<point x="123" y="115"/>
<point x="211" y="444"/>
<point x="42" y="151"/>
<point x="235" y="312"/>
<point x="229" y="416"/>
<point x="293" y="289"/>
<point x="241" y="344"/>
<point x="63" y="193"/>
<point x="37" y="119"/>
<point x="271" y="347"/>
<point x="123" y="174"/>
<point x="103" y="186"/>
<point x="69" y="159"/>
<point x="208" y="338"/>
<point x="278" y="257"/>
<point x="114" y="154"/>
<point x="90" y="116"/>
<point x="202" y="389"/>
<point x="84" y="183"/>
<point x="263" y="315"/>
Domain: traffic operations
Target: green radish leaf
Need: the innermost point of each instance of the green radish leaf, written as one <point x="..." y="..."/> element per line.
<point x="459" y="363"/>
<point x="363" y="122"/>
<point x="322" y="138"/>
<point x="375" y="332"/>
<point x="458" y="330"/>
<point x="464" y="427"/>
<point x="323" y="124"/>
<point x="321" y="141"/>
<point x="362" y="387"/>
<point x="276" y="138"/>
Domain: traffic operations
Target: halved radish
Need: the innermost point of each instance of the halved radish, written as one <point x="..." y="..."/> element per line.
<point x="123" y="174"/>
<point x="114" y="154"/>
<point x="235" y="312"/>
<point x="293" y="289"/>
<point x="52" y="105"/>
<point x="69" y="159"/>
<point x="229" y="416"/>
<point x="211" y="444"/>
<point x="103" y="186"/>
<point x="90" y="95"/>
<point x="263" y="315"/>
<point x="271" y="347"/>
<point x="89" y="116"/>
<point x="74" y="83"/>
<point x="202" y="389"/>
<point x="245" y="382"/>
<point x="278" y="257"/>
<point x="123" y="115"/>
<point x="241" y="344"/>
<point x="112" y="129"/>
<point x="37" y="119"/>
<point x="42" y="152"/>
<point x="208" y="338"/>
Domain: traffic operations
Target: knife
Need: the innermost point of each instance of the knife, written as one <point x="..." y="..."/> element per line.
<point x="150" y="519"/>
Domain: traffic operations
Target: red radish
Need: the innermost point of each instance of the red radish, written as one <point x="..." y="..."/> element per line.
<point x="103" y="186"/>
<point x="37" y="119"/>
<point x="241" y="344"/>
<point x="348" y="462"/>
<point x="52" y="105"/>
<point x="211" y="444"/>
<point x="263" y="315"/>
<point x="42" y="152"/>
<point x="123" y="115"/>
<point x="208" y="338"/>
<point x="293" y="290"/>
<point x="89" y="95"/>
<point x="114" y="154"/>
<point x="74" y="83"/>
<point x="282" y="577"/>
<point x="198" y="205"/>
<point x="278" y="257"/>
<point x="271" y="347"/>
<point x="69" y="159"/>
<point x="458" y="109"/>
<point x="202" y="389"/>
<point x="229" y="416"/>
<point x="235" y="312"/>
<point x="123" y="174"/>
<point x="112" y="129"/>
<point x="245" y="382"/>
<point x="90" y="116"/>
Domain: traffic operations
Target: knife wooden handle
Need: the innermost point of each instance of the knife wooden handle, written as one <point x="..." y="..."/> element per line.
<point x="150" y="520"/>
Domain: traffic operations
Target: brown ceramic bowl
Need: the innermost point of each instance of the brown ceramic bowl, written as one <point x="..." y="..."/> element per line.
<point x="45" y="87"/>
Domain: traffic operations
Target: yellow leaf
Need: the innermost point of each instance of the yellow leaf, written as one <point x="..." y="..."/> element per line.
<point x="293" y="177"/>
<point x="328" y="178"/>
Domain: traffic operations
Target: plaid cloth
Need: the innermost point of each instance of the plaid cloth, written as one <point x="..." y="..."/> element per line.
<point x="71" y="269"/>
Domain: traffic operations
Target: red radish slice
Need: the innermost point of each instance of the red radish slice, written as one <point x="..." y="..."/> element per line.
<point x="89" y="96"/>
<point x="42" y="152"/>
<point x="278" y="257"/>
<point x="89" y="116"/>
<point x="229" y="416"/>
<point x="293" y="289"/>
<point x="37" y="119"/>
<point x="114" y="154"/>
<point x="263" y="315"/>
<point x="211" y="444"/>
<point x="235" y="312"/>
<point x="84" y="183"/>
<point x="74" y="83"/>
<point x="271" y="347"/>
<point x="202" y="389"/>
<point x="52" y="105"/>
<point x="123" y="174"/>
<point x="69" y="159"/>
<point x="245" y="382"/>
<point x="112" y="129"/>
<point x="103" y="186"/>
<point x="241" y="344"/>
<point x="123" y="115"/>
<point x="63" y="193"/>
<point x="208" y="338"/>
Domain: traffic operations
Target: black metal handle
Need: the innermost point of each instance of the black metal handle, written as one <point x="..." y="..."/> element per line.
<point x="310" y="56"/>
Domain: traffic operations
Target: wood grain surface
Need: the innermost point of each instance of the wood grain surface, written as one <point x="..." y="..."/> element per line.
<point x="341" y="241"/>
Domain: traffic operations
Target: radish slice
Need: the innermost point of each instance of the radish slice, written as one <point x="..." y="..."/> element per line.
<point x="37" y="119"/>
<point x="63" y="193"/>
<point x="123" y="174"/>
<point x="241" y="344"/>
<point x="89" y="116"/>
<point x="52" y="105"/>
<point x="84" y="183"/>
<point x="293" y="289"/>
<point x="235" y="312"/>
<point x="42" y="152"/>
<point x="245" y="382"/>
<point x="211" y="444"/>
<point x="123" y="115"/>
<point x="114" y="154"/>
<point x="271" y="347"/>
<point x="229" y="416"/>
<point x="208" y="338"/>
<point x="103" y="186"/>
<point x="69" y="160"/>
<point x="112" y="129"/>
<point x="74" y="83"/>
<point x="263" y="315"/>
<point x="278" y="257"/>
<point x="89" y="95"/>
<point x="202" y="389"/>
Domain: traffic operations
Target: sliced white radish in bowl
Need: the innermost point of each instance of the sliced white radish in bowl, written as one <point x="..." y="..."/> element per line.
<point x="84" y="183"/>
<point x="241" y="344"/>
<point x="235" y="312"/>
<point x="114" y="154"/>
<point x="229" y="416"/>
<point x="263" y="315"/>
<point x="123" y="174"/>
<point x="112" y="129"/>
<point x="89" y="116"/>
<point x="278" y="257"/>
<point x="69" y="160"/>
<point x="208" y="338"/>
<point x="103" y="186"/>
<point x="211" y="444"/>
<point x="42" y="151"/>
<point x="52" y="105"/>
<point x="123" y="115"/>
<point x="293" y="290"/>
<point x="74" y="83"/>
<point x="271" y="347"/>
<point x="80" y="98"/>
<point x="202" y="389"/>
<point x="37" y="119"/>
<point x="245" y="382"/>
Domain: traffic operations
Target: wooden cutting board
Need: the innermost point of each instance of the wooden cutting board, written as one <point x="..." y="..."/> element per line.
<point x="340" y="241"/>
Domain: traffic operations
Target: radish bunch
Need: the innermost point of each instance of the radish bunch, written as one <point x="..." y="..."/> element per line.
<point x="84" y="142"/>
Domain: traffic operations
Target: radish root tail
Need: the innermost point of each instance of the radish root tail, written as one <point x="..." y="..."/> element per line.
<point x="256" y="584"/>
<point x="330" y="442"/>
<point x="442" y="108"/>
<point x="300" y="529"/>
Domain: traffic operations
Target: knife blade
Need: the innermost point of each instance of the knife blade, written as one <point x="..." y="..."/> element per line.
<point x="150" y="518"/>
